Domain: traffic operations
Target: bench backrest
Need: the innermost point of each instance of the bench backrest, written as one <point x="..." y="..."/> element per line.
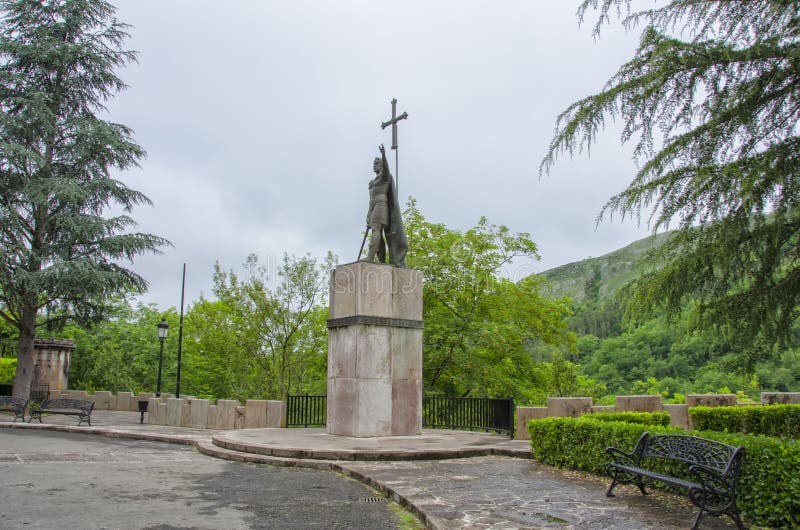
<point x="86" y="406"/>
<point x="710" y="454"/>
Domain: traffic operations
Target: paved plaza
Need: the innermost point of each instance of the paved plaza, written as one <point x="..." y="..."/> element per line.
<point x="130" y="478"/>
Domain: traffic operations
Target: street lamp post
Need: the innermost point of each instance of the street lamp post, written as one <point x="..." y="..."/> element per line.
<point x="163" y="327"/>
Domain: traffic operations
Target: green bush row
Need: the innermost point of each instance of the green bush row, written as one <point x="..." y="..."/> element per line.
<point x="768" y="492"/>
<point x="8" y="368"/>
<point x="643" y="418"/>
<point x="769" y="420"/>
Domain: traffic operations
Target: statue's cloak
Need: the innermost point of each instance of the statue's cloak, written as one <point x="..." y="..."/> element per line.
<point x="396" y="238"/>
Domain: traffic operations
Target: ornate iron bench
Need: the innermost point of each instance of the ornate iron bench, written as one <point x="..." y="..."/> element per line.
<point x="68" y="407"/>
<point x="15" y="405"/>
<point x="714" y="466"/>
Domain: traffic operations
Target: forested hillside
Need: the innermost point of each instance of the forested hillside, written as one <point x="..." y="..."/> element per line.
<point x="663" y="355"/>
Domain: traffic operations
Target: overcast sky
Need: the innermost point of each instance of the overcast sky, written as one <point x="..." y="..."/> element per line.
<point x="261" y="119"/>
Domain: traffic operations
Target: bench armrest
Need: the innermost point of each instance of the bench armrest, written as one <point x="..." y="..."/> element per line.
<point x="711" y="480"/>
<point x="621" y="457"/>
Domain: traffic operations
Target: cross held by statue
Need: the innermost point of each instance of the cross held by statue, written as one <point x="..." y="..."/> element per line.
<point x="393" y="122"/>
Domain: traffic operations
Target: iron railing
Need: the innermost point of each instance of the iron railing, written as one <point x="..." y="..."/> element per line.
<point x="306" y="411"/>
<point x="458" y="413"/>
<point x="470" y="414"/>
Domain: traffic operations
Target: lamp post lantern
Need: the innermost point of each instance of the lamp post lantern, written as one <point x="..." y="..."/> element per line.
<point x="163" y="327"/>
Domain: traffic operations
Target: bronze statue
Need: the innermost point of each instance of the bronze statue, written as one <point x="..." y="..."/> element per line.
<point x="384" y="218"/>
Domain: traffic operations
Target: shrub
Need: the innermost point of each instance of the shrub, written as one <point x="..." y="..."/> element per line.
<point x="643" y="418"/>
<point x="8" y="368"/>
<point x="769" y="420"/>
<point x="768" y="491"/>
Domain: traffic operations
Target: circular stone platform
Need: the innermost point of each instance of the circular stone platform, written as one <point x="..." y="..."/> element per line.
<point x="316" y="444"/>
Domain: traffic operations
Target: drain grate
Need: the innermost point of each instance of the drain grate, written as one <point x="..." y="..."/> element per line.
<point x="373" y="499"/>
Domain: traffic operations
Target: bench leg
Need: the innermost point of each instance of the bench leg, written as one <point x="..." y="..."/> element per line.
<point x="623" y="477"/>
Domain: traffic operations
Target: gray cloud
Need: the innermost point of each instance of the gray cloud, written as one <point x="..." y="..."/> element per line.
<point x="261" y="119"/>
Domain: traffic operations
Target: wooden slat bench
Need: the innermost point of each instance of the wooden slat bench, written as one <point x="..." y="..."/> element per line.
<point x="68" y="407"/>
<point x="15" y="405"/>
<point x="714" y="467"/>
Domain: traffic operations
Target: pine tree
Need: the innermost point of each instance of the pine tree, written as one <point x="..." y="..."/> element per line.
<point x="61" y="257"/>
<point x="710" y="101"/>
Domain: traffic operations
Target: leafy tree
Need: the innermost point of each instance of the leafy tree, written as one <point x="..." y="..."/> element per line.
<point x="265" y="336"/>
<point x="59" y="255"/>
<point x="710" y="101"/>
<point x="121" y="353"/>
<point x="478" y="323"/>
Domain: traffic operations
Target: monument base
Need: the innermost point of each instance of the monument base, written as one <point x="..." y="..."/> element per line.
<point x="375" y="351"/>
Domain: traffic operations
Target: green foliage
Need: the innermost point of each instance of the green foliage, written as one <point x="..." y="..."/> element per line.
<point x="477" y="322"/>
<point x="709" y="102"/>
<point x="769" y="420"/>
<point x="768" y="491"/>
<point x="8" y="367"/>
<point x="644" y="418"/>
<point x="121" y="353"/>
<point x="60" y="256"/>
<point x="265" y="336"/>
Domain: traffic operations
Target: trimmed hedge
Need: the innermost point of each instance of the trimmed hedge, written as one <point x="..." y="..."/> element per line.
<point x="643" y="418"/>
<point x="768" y="491"/>
<point x="769" y="420"/>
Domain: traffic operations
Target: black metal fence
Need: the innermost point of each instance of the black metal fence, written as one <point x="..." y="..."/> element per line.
<point x="470" y="414"/>
<point x="306" y="411"/>
<point x="459" y="413"/>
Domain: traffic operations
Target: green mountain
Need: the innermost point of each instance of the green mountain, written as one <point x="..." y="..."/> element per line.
<point x="598" y="278"/>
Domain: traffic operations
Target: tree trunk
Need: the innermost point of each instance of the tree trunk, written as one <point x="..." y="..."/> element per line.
<point x="24" y="375"/>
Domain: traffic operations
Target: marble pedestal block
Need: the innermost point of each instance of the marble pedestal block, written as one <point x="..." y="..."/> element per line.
<point x="375" y="351"/>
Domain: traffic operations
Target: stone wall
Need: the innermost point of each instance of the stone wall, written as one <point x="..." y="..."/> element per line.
<point x="188" y="411"/>
<point x="679" y="414"/>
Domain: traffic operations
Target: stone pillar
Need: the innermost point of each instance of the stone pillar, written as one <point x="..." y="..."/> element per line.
<point x="375" y="351"/>
<point x="51" y="363"/>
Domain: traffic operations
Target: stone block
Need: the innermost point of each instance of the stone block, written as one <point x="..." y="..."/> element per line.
<point x="406" y="407"/>
<point x="406" y="349"/>
<point x="186" y="413"/>
<point x="638" y="403"/>
<point x="276" y="414"/>
<point x="102" y="400"/>
<point x="373" y="415"/>
<point x="711" y="400"/>
<point x="123" y="401"/>
<point x="255" y="414"/>
<point x="781" y="398"/>
<point x="372" y="357"/>
<point x="211" y="421"/>
<point x="343" y="341"/>
<point x="406" y="294"/>
<point x="603" y="408"/>
<point x="568" y="406"/>
<point x="152" y="411"/>
<point x="679" y="415"/>
<point x="174" y="411"/>
<point x="524" y="415"/>
<point x="239" y="417"/>
<point x="161" y="413"/>
<point x="199" y="414"/>
<point x="343" y="292"/>
<point x="374" y="290"/>
<point x="226" y="414"/>
<point x="79" y="394"/>
<point x="342" y="397"/>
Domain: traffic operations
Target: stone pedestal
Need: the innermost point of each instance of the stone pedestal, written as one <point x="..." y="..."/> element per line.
<point x="51" y="363"/>
<point x="375" y="351"/>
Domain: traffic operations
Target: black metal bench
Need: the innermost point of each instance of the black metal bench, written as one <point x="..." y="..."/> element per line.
<point x="714" y="466"/>
<point x="15" y="405"/>
<point x="68" y="407"/>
